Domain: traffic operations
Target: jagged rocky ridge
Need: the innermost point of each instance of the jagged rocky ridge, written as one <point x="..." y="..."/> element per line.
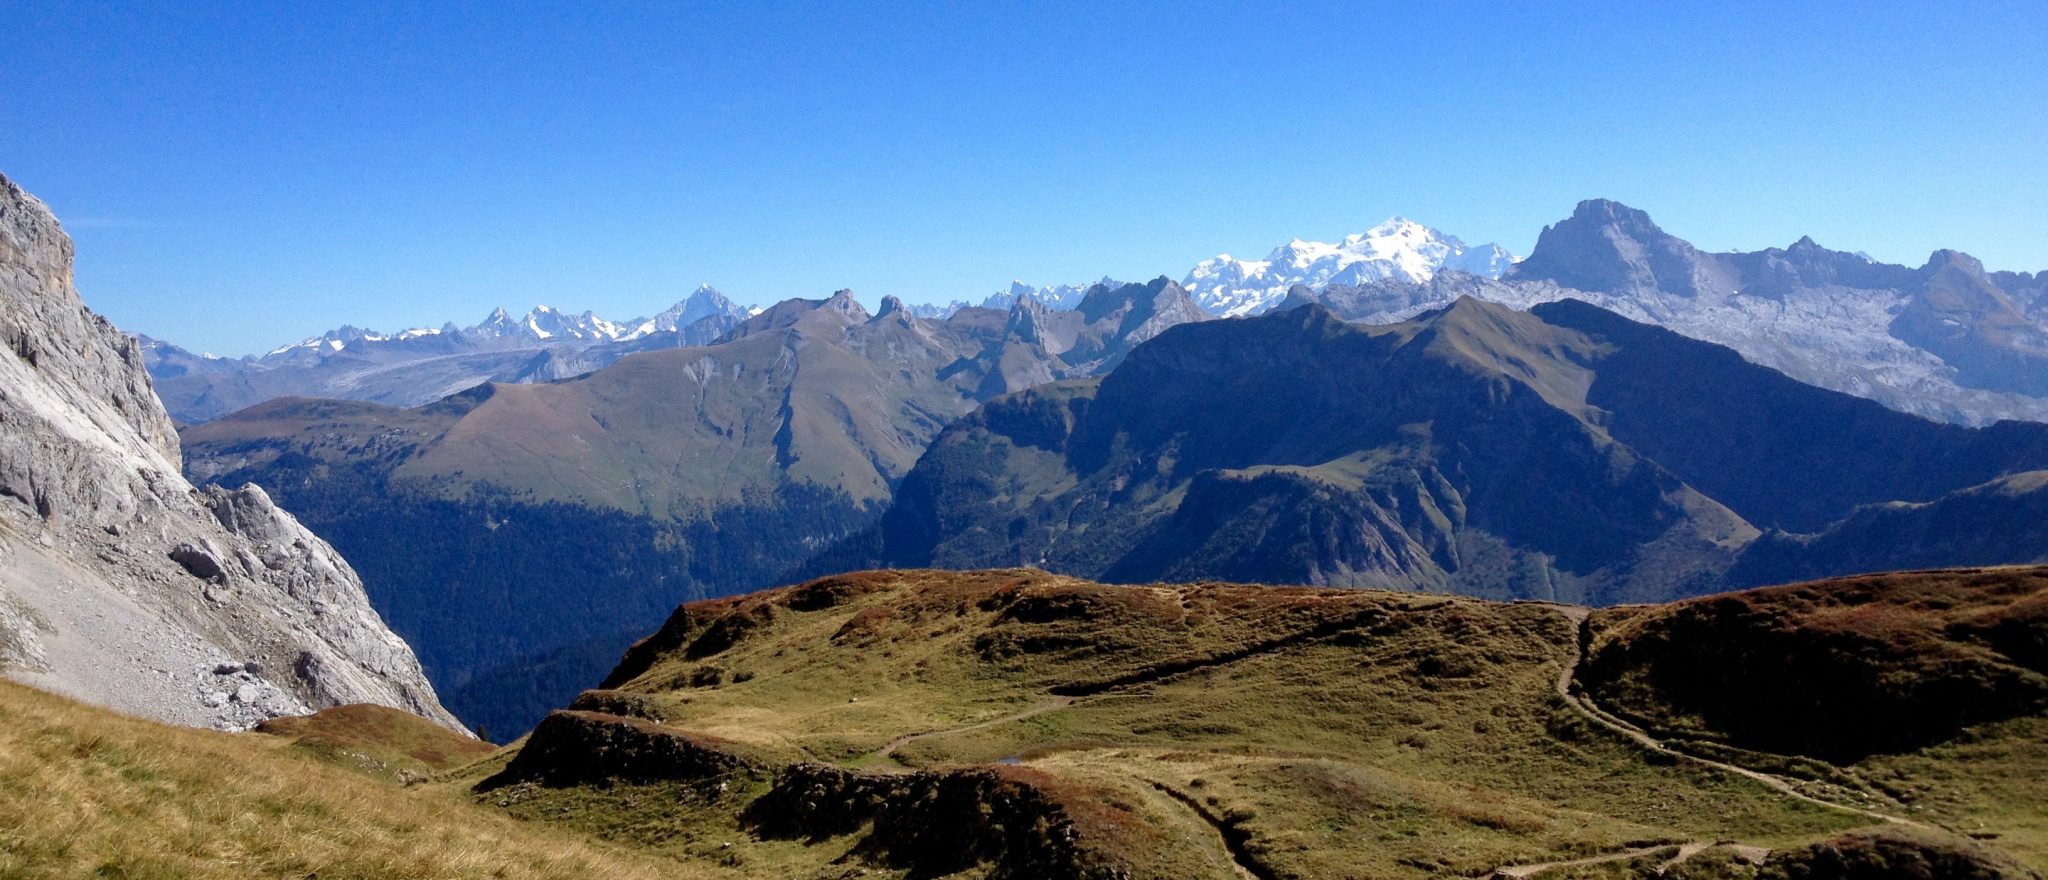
<point x="123" y="584"/>
<point x="1947" y="340"/>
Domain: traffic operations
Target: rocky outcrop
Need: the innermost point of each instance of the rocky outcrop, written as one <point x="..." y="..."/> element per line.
<point x="932" y="823"/>
<point x="123" y="584"/>
<point x="1889" y="853"/>
<point x="573" y="747"/>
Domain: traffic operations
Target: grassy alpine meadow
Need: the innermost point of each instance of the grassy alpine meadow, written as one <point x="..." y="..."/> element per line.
<point x="88" y="793"/>
<point x="1222" y="730"/>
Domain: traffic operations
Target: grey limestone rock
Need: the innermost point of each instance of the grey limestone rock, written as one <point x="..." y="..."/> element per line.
<point x="121" y="583"/>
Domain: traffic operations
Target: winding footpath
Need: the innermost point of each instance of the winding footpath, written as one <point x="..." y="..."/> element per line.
<point x="1584" y="705"/>
<point x="1054" y="703"/>
<point x="1591" y="712"/>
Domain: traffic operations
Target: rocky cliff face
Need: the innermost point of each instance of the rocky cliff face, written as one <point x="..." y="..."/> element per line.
<point x="125" y="585"/>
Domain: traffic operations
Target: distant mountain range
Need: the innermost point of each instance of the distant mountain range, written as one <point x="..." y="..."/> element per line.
<point x="425" y="364"/>
<point x="1948" y="339"/>
<point x="1439" y="439"/>
<point x="522" y="534"/>
<point x="1562" y="453"/>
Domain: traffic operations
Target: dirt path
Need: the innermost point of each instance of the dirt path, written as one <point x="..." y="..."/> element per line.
<point x="1592" y="712"/>
<point x="1035" y="711"/>
<point x="1520" y="871"/>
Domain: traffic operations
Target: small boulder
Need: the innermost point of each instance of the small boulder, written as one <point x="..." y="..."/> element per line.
<point x="198" y="563"/>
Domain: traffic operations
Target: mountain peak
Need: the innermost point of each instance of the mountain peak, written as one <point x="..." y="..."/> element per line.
<point x="1608" y="247"/>
<point x="1056" y="296"/>
<point x="843" y="301"/>
<point x="1399" y="249"/>
<point x="1953" y="259"/>
<point x="1609" y="211"/>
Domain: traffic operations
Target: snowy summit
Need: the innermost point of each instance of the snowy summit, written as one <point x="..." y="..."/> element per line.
<point x="1401" y="249"/>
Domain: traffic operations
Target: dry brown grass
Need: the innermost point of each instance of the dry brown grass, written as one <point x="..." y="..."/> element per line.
<point x="88" y="793"/>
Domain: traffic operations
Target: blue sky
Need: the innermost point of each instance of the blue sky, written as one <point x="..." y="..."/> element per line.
<point x="244" y="175"/>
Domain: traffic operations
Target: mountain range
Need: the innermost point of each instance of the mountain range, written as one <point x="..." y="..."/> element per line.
<point x="521" y="534"/>
<point x="799" y="426"/>
<point x="1563" y="453"/>
<point x="1948" y="339"/>
<point x="1019" y="722"/>
<point x="425" y="364"/>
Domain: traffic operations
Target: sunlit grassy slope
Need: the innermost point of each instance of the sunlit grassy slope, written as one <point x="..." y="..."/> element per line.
<point x="87" y="793"/>
<point x="1926" y="689"/>
<point x="1201" y="730"/>
<point x="1015" y="724"/>
<point x="378" y="740"/>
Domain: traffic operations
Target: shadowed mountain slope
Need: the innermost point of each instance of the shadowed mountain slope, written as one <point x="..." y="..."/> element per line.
<point x="530" y="530"/>
<point x="1560" y="453"/>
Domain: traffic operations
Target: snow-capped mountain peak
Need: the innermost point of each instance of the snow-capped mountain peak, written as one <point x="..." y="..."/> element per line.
<point x="702" y="303"/>
<point x="544" y="324"/>
<point x="1398" y="248"/>
<point x="1055" y="296"/>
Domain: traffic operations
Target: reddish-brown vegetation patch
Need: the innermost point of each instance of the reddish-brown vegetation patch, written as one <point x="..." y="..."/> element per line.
<point x="1835" y="669"/>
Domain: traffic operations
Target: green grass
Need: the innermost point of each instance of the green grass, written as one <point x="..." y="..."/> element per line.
<point x="379" y="740"/>
<point x="1924" y="690"/>
<point x="1342" y="733"/>
<point x="87" y="793"/>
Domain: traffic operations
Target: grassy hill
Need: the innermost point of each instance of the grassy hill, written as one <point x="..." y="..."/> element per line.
<point x="1014" y="724"/>
<point x="378" y="740"/>
<point x="87" y="793"/>
<point x="1017" y="723"/>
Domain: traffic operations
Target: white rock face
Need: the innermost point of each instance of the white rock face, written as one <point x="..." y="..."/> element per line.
<point x="121" y="583"/>
<point x="1399" y="249"/>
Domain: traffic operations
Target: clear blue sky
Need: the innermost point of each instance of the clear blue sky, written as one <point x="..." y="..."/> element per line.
<point x="241" y="176"/>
